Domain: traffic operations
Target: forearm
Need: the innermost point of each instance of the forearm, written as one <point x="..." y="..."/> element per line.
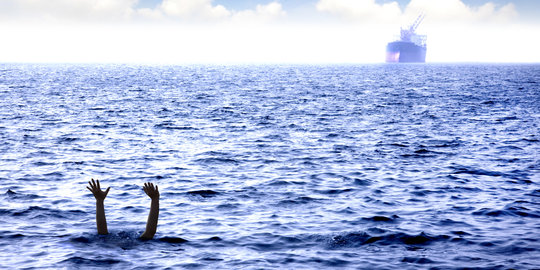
<point x="101" y="222"/>
<point x="151" y="224"/>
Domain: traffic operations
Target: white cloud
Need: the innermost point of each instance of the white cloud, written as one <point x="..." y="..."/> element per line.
<point x="261" y="13"/>
<point x="193" y="9"/>
<point x="446" y="11"/>
<point x="58" y="10"/>
<point x="204" y="10"/>
<point x="126" y="11"/>
<point x="364" y="10"/>
<point x="455" y="11"/>
<point x="453" y="29"/>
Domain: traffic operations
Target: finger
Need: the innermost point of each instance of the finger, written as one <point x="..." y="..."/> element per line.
<point x="98" y="186"/>
<point x="89" y="189"/>
<point x="93" y="183"/>
<point x="157" y="189"/>
<point x="107" y="191"/>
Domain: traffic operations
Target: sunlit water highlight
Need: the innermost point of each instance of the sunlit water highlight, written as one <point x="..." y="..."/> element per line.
<point x="291" y="167"/>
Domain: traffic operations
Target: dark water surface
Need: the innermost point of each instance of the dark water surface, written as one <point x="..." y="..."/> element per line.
<point x="291" y="167"/>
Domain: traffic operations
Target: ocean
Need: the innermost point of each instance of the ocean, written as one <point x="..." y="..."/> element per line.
<point x="381" y="166"/>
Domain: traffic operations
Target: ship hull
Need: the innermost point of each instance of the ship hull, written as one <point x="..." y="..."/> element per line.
<point x="405" y="52"/>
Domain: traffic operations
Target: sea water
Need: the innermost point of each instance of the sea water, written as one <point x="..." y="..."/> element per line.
<point x="272" y="167"/>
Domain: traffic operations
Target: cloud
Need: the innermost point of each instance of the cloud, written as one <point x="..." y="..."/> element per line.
<point x="436" y="10"/>
<point x="204" y="10"/>
<point x="363" y="10"/>
<point x="193" y="9"/>
<point x="457" y="11"/>
<point x="58" y="10"/>
<point x="456" y="32"/>
<point x="127" y="11"/>
<point x="261" y="13"/>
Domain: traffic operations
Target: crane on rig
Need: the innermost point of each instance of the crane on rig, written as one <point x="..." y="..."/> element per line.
<point x="407" y="34"/>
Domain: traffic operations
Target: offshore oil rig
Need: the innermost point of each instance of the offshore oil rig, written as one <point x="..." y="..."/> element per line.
<point x="411" y="48"/>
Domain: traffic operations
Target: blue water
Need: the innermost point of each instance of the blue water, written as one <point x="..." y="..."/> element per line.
<point x="266" y="167"/>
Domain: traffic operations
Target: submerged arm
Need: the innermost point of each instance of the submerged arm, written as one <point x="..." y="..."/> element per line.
<point x="101" y="221"/>
<point x="151" y="224"/>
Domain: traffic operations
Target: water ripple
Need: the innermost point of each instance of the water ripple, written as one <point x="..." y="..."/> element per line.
<point x="294" y="167"/>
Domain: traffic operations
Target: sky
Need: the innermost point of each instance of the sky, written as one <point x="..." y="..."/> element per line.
<point x="263" y="31"/>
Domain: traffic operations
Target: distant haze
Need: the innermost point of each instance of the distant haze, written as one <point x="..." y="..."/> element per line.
<point x="257" y="31"/>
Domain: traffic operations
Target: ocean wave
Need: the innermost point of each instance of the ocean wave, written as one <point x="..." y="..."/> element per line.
<point x="276" y="166"/>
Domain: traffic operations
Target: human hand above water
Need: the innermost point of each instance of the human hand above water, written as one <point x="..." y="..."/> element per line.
<point x="95" y="188"/>
<point x="151" y="223"/>
<point x="151" y="191"/>
<point x="100" y="195"/>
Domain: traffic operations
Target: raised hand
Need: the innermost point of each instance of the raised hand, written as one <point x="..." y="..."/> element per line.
<point x="95" y="188"/>
<point x="151" y="224"/>
<point x="101" y="221"/>
<point x="151" y="191"/>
